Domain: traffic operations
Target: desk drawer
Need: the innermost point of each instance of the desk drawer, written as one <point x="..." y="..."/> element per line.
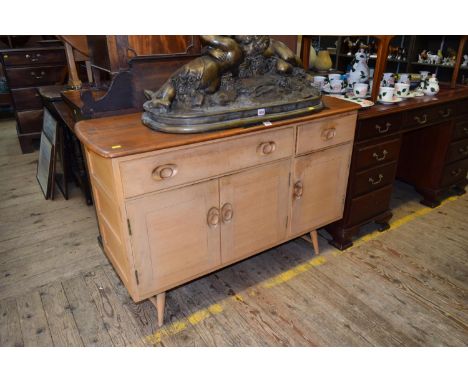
<point x="34" y="57"/>
<point x="314" y="136"/>
<point x="460" y="130"/>
<point x="369" y="205"/>
<point x="457" y="151"/>
<point x="26" y="99"/>
<point x="30" y="121"/>
<point x="374" y="155"/>
<point x="159" y="171"/>
<point x="35" y="76"/>
<point x="373" y="179"/>
<point x="377" y="127"/>
<point x="454" y="173"/>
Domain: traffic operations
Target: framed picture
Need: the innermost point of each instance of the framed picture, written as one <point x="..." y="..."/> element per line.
<point x="44" y="166"/>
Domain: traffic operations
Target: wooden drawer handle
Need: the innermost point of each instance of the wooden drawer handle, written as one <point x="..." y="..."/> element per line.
<point x="456" y="172"/>
<point x="213" y="217"/>
<point x="445" y="113"/>
<point x="374" y="182"/>
<point x="266" y="148"/>
<point x="164" y="172"/>
<point x="380" y="158"/>
<point x="383" y="130"/>
<point x="420" y="120"/>
<point x="328" y="134"/>
<point x="227" y="212"/>
<point x="298" y="189"/>
<point x="463" y="150"/>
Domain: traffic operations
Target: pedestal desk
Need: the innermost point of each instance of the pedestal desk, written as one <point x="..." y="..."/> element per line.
<point x="172" y="207"/>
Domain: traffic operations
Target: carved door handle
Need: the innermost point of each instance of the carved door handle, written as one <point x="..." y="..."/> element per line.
<point x="298" y="189"/>
<point x="446" y="113"/>
<point x="374" y="182"/>
<point x="456" y="172"/>
<point x="266" y="148"/>
<point x="381" y="129"/>
<point x="328" y="134"/>
<point x="227" y="212"/>
<point x="420" y="120"/>
<point x="164" y="171"/>
<point x="380" y="158"/>
<point x="213" y="217"/>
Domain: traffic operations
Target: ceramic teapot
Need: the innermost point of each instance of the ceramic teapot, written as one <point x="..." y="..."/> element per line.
<point x="430" y="86"/>
<point x="359" y="73"/>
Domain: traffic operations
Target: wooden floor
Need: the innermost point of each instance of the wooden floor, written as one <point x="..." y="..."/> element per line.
<point x="405" y="287"/>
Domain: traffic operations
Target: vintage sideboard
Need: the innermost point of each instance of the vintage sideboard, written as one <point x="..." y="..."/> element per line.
<point x="172" y="208"/>
<point x="422" y="141"/>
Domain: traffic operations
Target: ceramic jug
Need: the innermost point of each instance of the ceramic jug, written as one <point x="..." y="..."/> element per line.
<point x="431" y="86"/>
<point x="323" y="61"/>
<point x="359" y="73"/>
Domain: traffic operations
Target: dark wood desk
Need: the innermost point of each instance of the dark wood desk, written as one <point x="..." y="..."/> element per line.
<point x="422" y="141"/>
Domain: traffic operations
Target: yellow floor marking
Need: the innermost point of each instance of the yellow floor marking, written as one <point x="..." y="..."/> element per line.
<point x="203" y="314"/>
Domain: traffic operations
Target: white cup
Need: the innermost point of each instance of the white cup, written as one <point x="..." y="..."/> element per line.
<point x="388" y="79"/>
<point x="336" y="86"/>
<point x="386" y="93"/>
<point x="319" y="81"/>
<point x="334" y="76"/>
<point x="402" y="89"/>
<point x="424" y="74"/>
<point x="404" y="78"/>
<point x="360" y="90"/>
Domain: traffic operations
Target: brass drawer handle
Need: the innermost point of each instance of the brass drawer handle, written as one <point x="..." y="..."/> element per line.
<point x="213" y="217"/>
<point x="456" y="172"/>
<point x="446" y="113"/>
<point x="37" y="77"/>
<point x="383" y="130"/>
<point x="266" y="148"/>
<point x="328" y="134"/>
<point x="298" y="189"/>
<point x="227" y="213"/>
<point x="463" y="150"/>
<point x="420" y="120"/>
<point x="465" y="129"/>
<point x="374" y="182"/>
<point x="380" y="158"/>
<point x="164" y="172"/>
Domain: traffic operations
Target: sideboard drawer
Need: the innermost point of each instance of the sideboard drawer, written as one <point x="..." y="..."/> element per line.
<point x="460" y="130"/>
<point x="26" y="99"/>
<point x="421" y="117"/>
<point x="38" y="57"/>
<point x="373" y="179"/>
<point x="314" y="136"/>
<point x="376" y="127"/>
<point x="176" y="167"/>
<point x="30" y="121"/>
<point x="35" y="76"/>
<point x="454" y="172"/>
<point x="369" y="205"/>
<point x="457" y="150"/>
<point x="377" y="154"/>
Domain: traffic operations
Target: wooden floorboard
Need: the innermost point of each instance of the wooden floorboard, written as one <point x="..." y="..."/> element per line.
<point x="405" y="287"/>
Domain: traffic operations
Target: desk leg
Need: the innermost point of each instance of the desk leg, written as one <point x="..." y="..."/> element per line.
<point x="159" y="302"/>
<point x="314" y="237"/>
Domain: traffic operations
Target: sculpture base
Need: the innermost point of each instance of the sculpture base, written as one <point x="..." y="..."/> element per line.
<point x="219" y="119"/>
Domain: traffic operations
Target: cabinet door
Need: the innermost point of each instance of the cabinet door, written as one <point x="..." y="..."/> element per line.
<point x="175" y="235"/>
<point x="254" y="210"/>
<point x="319" y="188"/>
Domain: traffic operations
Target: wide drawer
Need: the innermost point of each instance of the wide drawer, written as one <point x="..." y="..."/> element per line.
<point x="373" y="179"/>
<point x="381" y="126"/>
<point x="454" y="173"/>
<point x="429" y="115"/>
<point x="328" y="132"/>
<point x="30" y="121"/>
<point x="185" y="165"/>
<point x="460" y="130"/>
<point x="38" y="57"/>
<point x="26" y="99"/>
<point x="369" y="205"/>
<point x="457" y="151"/>
<point x="35" y="76"/>
<point x="374" y="155"/>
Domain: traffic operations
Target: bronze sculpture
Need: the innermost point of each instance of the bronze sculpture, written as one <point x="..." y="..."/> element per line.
<point x="238" y="80"/>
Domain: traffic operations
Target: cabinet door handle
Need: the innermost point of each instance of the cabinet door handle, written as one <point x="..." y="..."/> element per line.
<point x="380" y="158"/>
<point x="213" y="217"/>
<point x="266" y="148"/>
<point x="456" y="172"/>
<point x="227" y="212"/>
<point x="374" y="182"/>
<point x="445" y="113"/>
<point x="420" y="120"/>
<point x="164" y="172"/>
<point x="463" y="150"/>
<point x="328" y="134"/>
<point x="381" y="129"/>
<point x="298" y="189"/>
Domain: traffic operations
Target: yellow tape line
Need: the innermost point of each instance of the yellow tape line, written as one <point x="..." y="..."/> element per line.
<point x="203" y="314"/>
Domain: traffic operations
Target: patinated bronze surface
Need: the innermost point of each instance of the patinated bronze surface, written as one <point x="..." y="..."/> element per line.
<point x="239" y="80"/>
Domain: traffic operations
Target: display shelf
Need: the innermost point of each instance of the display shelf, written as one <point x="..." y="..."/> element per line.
<point x="432" y="65"/>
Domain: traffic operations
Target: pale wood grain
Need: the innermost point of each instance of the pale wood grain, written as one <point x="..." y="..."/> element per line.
<point x="10" y="328"/>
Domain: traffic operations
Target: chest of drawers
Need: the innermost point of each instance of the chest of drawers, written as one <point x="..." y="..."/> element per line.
<point x="25" y="70"/>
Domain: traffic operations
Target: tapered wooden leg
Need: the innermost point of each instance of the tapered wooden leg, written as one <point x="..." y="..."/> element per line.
<point x="159" y="302"/>
<point x="314" y="237"/>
